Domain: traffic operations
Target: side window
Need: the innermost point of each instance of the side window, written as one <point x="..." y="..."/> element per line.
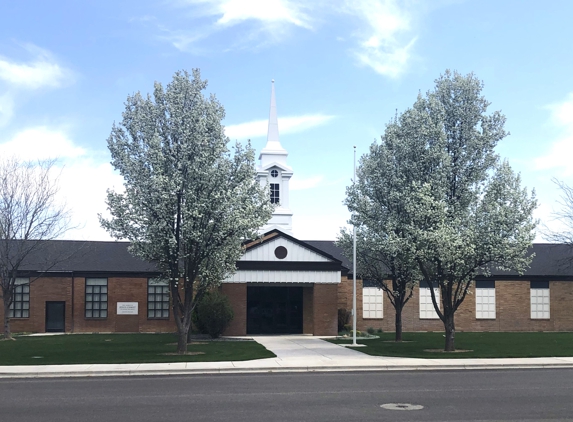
<point x="157" y="298"/>
<point x="539" y="299"/>
<point x="372" y="302"/>
<point x="96" y="298"/>
<point x="485" y="299"/>
<point x="427" y="310"/>
<point x="20" y="307"/>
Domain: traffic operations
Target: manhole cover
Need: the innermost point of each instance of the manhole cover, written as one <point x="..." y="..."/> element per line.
<point x="401" y="406"/>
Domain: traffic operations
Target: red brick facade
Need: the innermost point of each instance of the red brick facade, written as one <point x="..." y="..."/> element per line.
<point x="320" y="305"/>
<point x="512" y="310"/>
<point x="72" y="292"/>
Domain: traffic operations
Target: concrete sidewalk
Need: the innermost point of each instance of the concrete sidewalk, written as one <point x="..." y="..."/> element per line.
<point x="294" y="354"/>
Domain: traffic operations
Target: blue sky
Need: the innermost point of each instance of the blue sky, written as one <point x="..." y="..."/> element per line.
<point x="342" y="69"/>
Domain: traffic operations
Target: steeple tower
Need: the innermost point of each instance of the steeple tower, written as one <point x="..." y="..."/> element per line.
<point x="275" y="172"/>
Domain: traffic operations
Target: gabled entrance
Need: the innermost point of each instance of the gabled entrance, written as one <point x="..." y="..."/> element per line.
<point x="274" y="310"/>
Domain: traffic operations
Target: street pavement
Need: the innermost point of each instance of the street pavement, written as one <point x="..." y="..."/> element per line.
<point x="293" y="354"/>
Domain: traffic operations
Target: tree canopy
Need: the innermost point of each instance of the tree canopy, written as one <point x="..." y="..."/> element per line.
<point x="188" y="202"/>
<point x="435" y="190"/>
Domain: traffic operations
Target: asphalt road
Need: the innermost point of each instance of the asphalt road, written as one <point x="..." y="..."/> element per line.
<point x="513" y="395"/>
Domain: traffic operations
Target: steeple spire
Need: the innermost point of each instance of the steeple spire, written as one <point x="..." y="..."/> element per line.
<point x="273" y="145"/>
<point x="275" y="174"/>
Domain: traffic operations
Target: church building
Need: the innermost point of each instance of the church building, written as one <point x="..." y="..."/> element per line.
<point x="282" y="285"/>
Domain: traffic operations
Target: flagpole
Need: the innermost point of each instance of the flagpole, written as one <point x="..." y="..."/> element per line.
<point x="354" y="266"/>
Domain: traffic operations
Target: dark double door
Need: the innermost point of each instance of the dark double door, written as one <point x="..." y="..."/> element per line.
<point x="274" y="310"/>
<point x="55" y="317"/>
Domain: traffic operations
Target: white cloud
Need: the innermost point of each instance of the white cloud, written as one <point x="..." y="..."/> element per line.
<point x="6" y="108"/>
<point x="82" y="180"/>
<point x="266" y="11"/>
<point x="291" y="124"/>
<point x="83" y="184"/>
<point x="319" y="227"/>
<point x="269" y="20"/>
<point x="42" y="71"/>
<point x="300" y="184"/>
<point x="41" y="143"/>
<point x="561" y="151"/>
<point x="381" y="45"/>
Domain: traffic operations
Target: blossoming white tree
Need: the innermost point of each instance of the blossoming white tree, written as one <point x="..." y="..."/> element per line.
<point x="444" y="196"/>
<point x="188" y="202"/>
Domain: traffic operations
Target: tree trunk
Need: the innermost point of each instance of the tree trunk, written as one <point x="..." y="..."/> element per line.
<point x="7" y="332"/>
<point x="450" y="333"/>
<point x="398" y="325"/>
<point x="182" y="342"/>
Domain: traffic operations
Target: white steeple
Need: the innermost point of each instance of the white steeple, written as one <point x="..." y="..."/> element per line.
<point x="275" y="172"/>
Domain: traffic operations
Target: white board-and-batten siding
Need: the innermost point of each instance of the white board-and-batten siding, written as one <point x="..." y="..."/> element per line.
<point x="295" y="252"/>
<point x="262" y="276"/>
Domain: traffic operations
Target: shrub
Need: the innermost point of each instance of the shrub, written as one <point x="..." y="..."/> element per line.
<point x="371" y="330"/>
<point x="214" y="313"/>
<point x="379" y="331"/>
<point x="343" y="318"/>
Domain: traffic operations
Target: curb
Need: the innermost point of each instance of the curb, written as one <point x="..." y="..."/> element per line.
<point x="274" y="369"/>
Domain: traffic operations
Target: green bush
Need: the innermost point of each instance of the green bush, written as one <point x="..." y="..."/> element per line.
<point x="343" y="318"/>
<point x="371" y="330"/>
<point x="214" y="313"/>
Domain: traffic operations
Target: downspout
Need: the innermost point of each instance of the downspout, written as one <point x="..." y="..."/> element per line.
<point x="73" y="310"/>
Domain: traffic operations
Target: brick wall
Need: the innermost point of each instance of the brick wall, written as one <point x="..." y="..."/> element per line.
<point x="307" y="311"/>
<point x="512" y="311"/>
<point x="120" y="289"/>
<point x="325" y="309"/>
<point x="237" y="293"/>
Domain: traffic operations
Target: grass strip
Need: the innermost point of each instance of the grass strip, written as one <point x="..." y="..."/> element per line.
<point x="477" y="345"/>
<point x="121" y="348"/>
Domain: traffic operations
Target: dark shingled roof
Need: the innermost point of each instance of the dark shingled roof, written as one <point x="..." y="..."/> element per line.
<point x="550" y="261"/>
<point x="329" y="246"/>
<point x="85" y="256"/>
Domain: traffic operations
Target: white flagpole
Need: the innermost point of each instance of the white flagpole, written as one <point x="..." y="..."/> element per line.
<point x="354" y="267"/>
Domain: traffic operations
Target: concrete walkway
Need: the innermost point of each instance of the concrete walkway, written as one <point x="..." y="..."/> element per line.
<point x="294" y="354"/>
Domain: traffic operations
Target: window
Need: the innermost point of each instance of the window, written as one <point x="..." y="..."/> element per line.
<point x="157" y="298"/>
<point x="485" y="299"/>
<point x="274" y="173"/>
<point x="274" y="193"/>
<point x="427" y="310"/>
<point x="372" y="302"/>
<point x="539" y="294"/>
<point x="20" y="307"/>
<point x="96" y="297"/>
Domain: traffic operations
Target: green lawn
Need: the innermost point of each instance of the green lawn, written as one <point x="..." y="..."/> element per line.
<point x="121" y="348"/>
<point x="482" y="345"/>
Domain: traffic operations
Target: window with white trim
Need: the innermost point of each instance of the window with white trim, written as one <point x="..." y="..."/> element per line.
<point x="157" y="298"/>
<point x="427" y="310"/>
<point x="485" y="299"/>
<point x="96" y="298"/>
<point x="539" y="295"/>
<point x="20" y="307"/>
<point x="372" y="303"/>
